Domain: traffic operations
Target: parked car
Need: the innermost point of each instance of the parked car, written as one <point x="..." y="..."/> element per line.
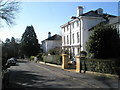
<point x="11" y="62"/>
<point x="74" y="60"/>
<point x="14" y="59"/>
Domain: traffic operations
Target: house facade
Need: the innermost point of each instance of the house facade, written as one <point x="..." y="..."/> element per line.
<point x="75" y="33"/>
<point x="51" y="42"/>
<point x="115" y="22"/>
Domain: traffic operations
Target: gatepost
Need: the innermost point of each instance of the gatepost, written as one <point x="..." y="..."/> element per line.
<point x="78" y="67"/>
<point x="64" y="61"/>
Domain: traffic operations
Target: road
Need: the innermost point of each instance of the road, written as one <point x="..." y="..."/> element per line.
<point x="28" y="75"/>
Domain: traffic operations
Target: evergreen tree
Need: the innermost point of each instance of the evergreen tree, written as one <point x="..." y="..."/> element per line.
<point x="7" y="40"/>
<point x="12" y="40"/>
<point x="104" y="42"/>
<point x="14" y="47"/>
<point x="29" y="42"/>
<point x="10" y="48"/>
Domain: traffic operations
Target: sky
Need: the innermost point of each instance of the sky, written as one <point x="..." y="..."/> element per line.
<point x="49" y="16"/>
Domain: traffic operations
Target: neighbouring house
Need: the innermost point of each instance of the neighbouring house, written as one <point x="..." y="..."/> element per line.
<point x="115" y="22"/>
<point x="75" y="33"/>
<point x="51" y="42"/>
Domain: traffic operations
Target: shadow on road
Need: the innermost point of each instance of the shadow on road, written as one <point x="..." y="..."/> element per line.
<point x="22" y="61"/>
<point x="106" y="81"/>
<point x="26" y="80"/>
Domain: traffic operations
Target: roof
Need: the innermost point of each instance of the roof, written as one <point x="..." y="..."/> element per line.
<point x="104" y="22"/>
<point x="54" y="37"/>
<point x="109" y="21"/>
<point x="93" y="13"/>
<point x="115" y="20"/>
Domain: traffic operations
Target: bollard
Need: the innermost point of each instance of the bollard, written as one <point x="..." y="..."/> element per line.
<point x="64" y="61"/>
<point x="78" y="69"/>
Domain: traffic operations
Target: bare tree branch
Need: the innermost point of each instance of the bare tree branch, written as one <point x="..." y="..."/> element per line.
<point x="8" y="9"/>
<point x="2" y="4"/>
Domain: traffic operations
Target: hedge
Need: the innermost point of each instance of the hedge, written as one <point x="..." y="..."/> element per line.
<point x="55" y="59"/>
<point x="99" y="65"/>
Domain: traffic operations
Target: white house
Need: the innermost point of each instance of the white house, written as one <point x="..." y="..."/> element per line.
<point x="51" y="42"/>
<point x="116" y="22"/>
<point x="75" y="33"/>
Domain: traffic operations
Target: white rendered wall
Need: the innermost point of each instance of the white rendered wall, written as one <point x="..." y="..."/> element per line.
<point x="52" y="44"/>
<point x="88" y="23"/>
<point x="85" y="24"/>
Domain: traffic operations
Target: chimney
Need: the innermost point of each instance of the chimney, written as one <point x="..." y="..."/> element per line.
<point x="79" y="11"/>
<point x="99" y="11"/>
<point x="49" y="34"/>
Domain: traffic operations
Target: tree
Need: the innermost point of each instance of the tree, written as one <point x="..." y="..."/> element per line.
<point x="7" y="40"/>
<point x="10" y="48"/>
<point x="8" y="9"/>
<point x="29" y="42"/>
<point x="104" y="42"/>
<point x="12" y="40"/>
<point x="14" y="47"/>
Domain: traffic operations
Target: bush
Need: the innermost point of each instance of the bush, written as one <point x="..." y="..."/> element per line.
<point x="83" y="53"/>
<point x="39" y="56"/>
<point x="32" y="58"/>
<point x="104" y="42"/>
<point x="101" y="65"/>
<point x="55" y="51"/>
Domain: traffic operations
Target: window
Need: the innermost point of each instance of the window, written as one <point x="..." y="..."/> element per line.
<point x="78" y="50"/>
<point x="73" y="25"/>
<point x="73" y="51"/>
<point x="78" y="37"/>
<point x="64" y="29"/>
<point x="67" y="27"/>
<point x="77" y="23"/>
<point x="73" y="38"/>
<point x="67" y="39"/>
<point x="64" y="40"/>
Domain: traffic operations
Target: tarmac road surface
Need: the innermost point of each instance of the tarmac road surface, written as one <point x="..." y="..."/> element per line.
<point x="28" y="75"/>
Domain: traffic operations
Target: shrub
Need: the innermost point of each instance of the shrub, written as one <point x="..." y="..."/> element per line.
<point x="39" y="56"/>
<point x="104" y="42"/>
<point x="83" y="53"/>
<point x="55" y="51"/>
<point x="101" y="65"/>
<point x="32" y="58"/>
